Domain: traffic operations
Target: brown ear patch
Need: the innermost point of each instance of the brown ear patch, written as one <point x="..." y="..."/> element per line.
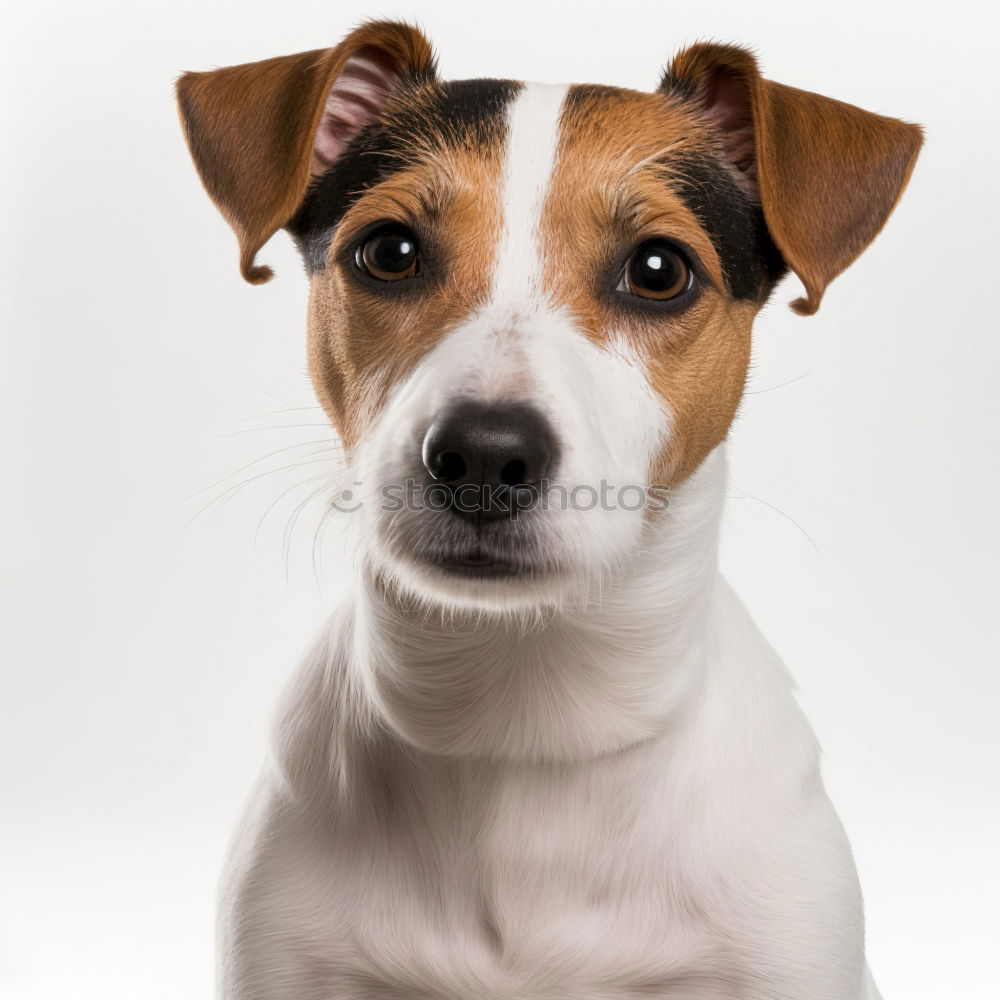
<point x="251" y="129"/>
<point x="828" y="174"/>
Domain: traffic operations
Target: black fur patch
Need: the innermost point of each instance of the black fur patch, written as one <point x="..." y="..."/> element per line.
<point x="751" y="263"/>
<point x="458" y="114"/>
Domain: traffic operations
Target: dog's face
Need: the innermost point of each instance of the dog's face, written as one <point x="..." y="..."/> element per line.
<point x="531" y="305"/>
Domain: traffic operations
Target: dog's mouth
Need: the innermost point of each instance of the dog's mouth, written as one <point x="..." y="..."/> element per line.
<point x="503" y="551"/>
<point x="479" y="564"/>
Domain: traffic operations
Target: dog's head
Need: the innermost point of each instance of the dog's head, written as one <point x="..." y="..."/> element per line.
<point x="531" y="305"/>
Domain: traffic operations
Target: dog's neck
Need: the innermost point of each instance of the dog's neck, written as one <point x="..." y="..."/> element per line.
<point x="596" y="676"/>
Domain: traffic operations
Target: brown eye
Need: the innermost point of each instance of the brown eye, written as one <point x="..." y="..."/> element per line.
<point x="390" y="253"/>
<point x="656" y="271"/>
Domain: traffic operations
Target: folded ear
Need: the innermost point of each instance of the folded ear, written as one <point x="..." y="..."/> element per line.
<point x="827" y="174"/>
<point x="260" y="132"/>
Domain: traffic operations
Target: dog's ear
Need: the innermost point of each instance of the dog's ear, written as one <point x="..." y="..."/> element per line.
<point x="260" y="132"/>
<point x="827" y="174"/>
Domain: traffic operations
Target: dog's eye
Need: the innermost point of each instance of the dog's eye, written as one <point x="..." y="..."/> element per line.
<point x="656" y="270"/>
<point x="390" y="253"/>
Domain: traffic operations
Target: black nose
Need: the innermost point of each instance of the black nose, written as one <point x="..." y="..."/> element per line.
<point x="491" y="460"/>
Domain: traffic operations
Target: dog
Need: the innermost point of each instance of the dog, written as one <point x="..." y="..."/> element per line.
<point x="542" y="752"/>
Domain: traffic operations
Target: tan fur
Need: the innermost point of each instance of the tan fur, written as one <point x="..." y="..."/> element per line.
<point x="363" y="342"/>
<point x="600" y="207"/>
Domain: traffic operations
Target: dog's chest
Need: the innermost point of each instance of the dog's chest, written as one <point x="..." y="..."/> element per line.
<point x="534" y="894"/>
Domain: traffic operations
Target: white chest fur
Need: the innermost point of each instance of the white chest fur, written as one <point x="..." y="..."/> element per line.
<point x="670" y="838"/>
<point x="703" y="863"/>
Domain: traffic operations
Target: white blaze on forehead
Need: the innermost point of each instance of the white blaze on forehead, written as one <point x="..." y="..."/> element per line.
<point x="532" y="140"/>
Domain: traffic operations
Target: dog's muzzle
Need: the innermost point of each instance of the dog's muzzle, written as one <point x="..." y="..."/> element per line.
<point x="490" y="462"/>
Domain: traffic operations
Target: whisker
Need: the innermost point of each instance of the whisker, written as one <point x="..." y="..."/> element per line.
<point x="271" y="395"/>
<point x="277" y="427"/>
<point x="296" y="514"/>
<point x="780" y="385"/>
<point x="777" y="510"/>
<point x="317" y="547"/>
<point x="278" y="413"/>
<point x="242" y="468"/>
<point x="223" y="498"/>
<point x="281" y="496"/>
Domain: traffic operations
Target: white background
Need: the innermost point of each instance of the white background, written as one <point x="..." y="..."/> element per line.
<point x="141" y="659"/>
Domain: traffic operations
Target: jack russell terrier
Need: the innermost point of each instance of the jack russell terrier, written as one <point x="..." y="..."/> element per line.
<point x="542" y="752"/>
